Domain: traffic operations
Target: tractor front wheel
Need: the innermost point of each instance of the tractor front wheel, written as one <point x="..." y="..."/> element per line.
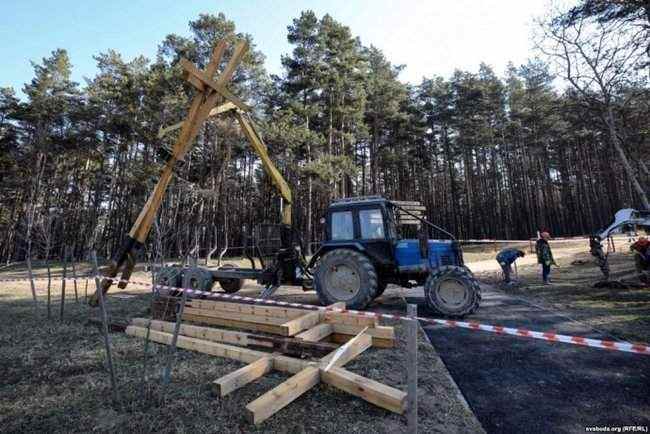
<point x="345" y="275"/>
<point x="452" y="291"/>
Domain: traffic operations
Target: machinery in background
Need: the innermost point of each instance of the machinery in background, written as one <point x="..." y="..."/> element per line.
<point x="363" y="250"/>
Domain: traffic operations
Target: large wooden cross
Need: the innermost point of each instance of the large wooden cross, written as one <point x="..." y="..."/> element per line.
<point x="211" y="93"/>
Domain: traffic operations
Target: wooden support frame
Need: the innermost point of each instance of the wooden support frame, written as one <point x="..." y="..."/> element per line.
<point x="307" y="374"/>
<point x="241" y="377"/>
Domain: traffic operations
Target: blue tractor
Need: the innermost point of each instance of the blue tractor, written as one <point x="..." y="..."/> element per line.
<point x="365" y="248"/>
<point x="363" y="251"/>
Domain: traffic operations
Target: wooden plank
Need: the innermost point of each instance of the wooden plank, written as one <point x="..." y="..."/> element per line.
<point x="376" y="342"/>
<point x="250" y="309"/>
<point x="301" y="323"/>
<point x="246" y="355"/>
<point x="289" y="346"/>
<point x="379" y="394"/>
<point x="219" y="88"/>
<point x="279" y="397"/>
<point x="404" y="203"/>
<point x="347" y="352"/>
<point x="225" y="314"/>
<point x="244" y="325"/>
<point x="337" y="305"/>
<point x="242" y="376"/>
<point x="350" y="319"/>
<point x="382" y="332"/>
<point x="316" y="333"/>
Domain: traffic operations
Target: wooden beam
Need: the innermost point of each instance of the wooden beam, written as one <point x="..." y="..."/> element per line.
<point x="279" y="397"/>
<point x="228" y="314"/>
<point x="280" y="363"/>
<point x="379" y="394"/>
<point x="376" y="342"/>
<point x="288" y="346"/>
<point x="316" y="333"/>
<point x="383" y="332"/>
<point x="249" y="309"/>
<point x="242" y="376"/>
<point x="193" y="71"/>
<point x="223" y="108"/>
<point x="301" y="323"/>
<point x="350" y="319"/>
<point x="244" y="325"/>
<point x="347" y="352"/>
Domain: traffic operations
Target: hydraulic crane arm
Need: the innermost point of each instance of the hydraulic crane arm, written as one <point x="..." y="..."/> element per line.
<point x="203" y="106"/>
<point x="275" y="175"/>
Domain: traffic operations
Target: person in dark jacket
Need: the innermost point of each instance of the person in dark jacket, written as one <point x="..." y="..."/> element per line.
<point x="596" y="250"/>
<point x="545" y="256"/>
<point x="506" y="258"/>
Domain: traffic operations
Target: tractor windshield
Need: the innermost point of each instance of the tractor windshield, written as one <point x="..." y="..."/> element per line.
<point x="342" y="226"/>
<point x="371" y="223"/>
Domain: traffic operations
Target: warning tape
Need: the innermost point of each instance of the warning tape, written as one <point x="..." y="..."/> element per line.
<point x="54" y="278"/>
<point x="636" y="348"/>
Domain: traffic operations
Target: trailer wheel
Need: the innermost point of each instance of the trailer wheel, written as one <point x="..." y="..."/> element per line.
<point x="345" y="275"/>
<point x="452" y="291"/>
<point x="169" y="276"/>
<point x="230" y="285"/>
<point x="197" y="278"/>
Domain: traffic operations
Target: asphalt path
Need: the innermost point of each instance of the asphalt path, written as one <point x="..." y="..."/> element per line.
<point x="516" y="384"/>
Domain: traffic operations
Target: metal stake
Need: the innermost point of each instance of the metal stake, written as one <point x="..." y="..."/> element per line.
<point x="107" y="341"/>
<point x="412" y="368"/>
<point x="172" y="348"/>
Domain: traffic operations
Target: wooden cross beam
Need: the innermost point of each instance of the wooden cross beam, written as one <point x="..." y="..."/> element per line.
<point x="211" y="93"/>
<point x="306" y="373"/>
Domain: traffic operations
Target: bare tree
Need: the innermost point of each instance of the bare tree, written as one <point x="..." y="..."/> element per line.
<point x="602" y="61"/>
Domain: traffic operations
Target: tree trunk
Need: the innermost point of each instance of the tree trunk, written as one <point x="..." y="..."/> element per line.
<point x="626" y="163"/>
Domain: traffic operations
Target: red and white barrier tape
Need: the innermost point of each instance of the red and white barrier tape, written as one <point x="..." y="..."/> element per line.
<point x="636" y="348"/>
<point x="53" y="278"/>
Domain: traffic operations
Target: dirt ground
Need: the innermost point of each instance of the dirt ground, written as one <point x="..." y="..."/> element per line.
<point x="621" y="313"/>
<point x="53" y="377"/>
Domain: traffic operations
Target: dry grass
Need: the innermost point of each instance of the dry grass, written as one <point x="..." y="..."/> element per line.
<point x="53" y="379"/>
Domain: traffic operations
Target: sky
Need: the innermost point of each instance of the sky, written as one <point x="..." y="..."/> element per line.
<point x="431" y="37"/>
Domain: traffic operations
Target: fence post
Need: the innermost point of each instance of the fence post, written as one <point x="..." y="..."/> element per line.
<point x="107" y="342"/>
<point x="31" y="282"/>
<point x="65" y="272"/>
<point x="74" y="276"/>
<point x="412" y="368"/>
<point x="172" y="348"/>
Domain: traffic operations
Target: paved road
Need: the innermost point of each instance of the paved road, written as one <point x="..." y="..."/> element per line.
<point x="519" y="385"/>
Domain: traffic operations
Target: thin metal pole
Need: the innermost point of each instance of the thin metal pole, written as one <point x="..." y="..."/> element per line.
<point x="65" y="274"/>
<point x="172" y="348"/>
<point x="31" y="282"/>
<point x="412" y="368"/>
<point x="154" y="298"/>
<point x="107" y="340"/>
<point x="74" y="282"/>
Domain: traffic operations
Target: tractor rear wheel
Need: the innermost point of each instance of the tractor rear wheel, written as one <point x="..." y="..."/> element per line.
<point x="452" y="291"/>
<point x="381" y="287"/>
<point x="230" y="285"/>
<point x="345" y="275"/>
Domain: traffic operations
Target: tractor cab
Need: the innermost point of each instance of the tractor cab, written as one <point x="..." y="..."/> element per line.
<point x="369" y="244"/>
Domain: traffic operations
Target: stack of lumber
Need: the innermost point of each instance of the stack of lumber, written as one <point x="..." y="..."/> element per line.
<point x="305" y="324"/>
<point x="302" y="342"/>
